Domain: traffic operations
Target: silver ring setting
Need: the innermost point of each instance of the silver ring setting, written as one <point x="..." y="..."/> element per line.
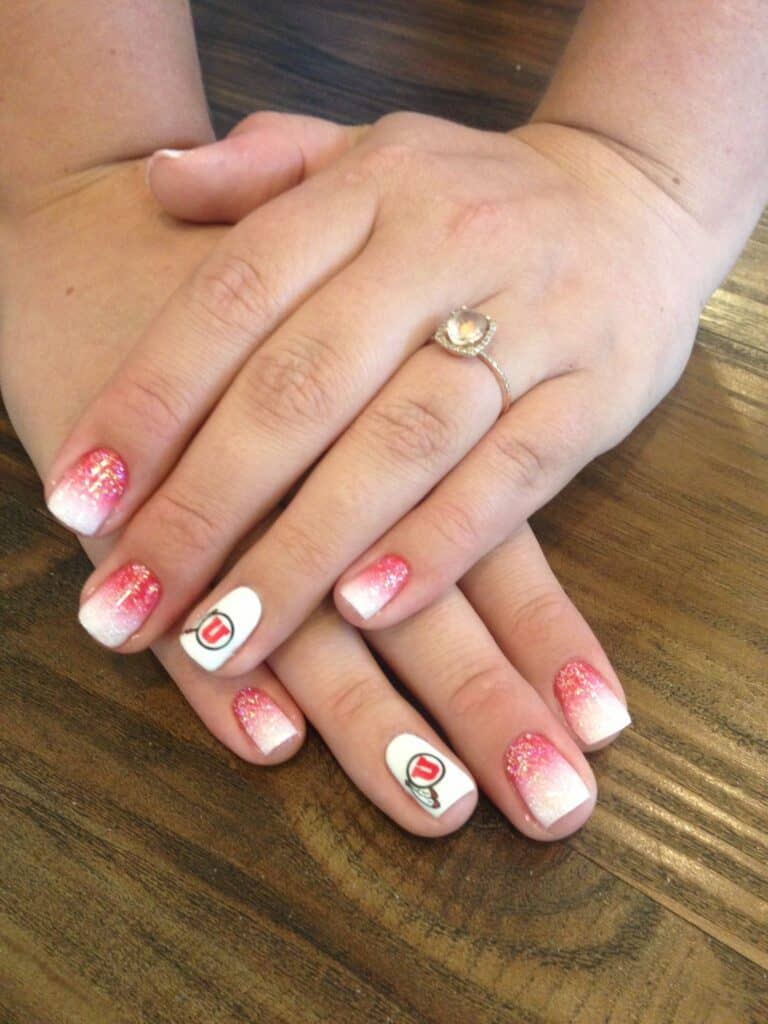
<point x="468" y="332"/>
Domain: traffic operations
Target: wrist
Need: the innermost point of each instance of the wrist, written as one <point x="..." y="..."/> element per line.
<point x="696" y="250"/>
<point x="678" y="90"/>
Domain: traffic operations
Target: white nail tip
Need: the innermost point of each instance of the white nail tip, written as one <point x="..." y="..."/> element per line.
<point x="427" y="774"/>
<point x="223" y="629"/>
<point x="79" y="516"/>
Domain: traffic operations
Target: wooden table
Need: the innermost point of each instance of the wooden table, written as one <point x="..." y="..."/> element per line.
<point x="149" y="876"/>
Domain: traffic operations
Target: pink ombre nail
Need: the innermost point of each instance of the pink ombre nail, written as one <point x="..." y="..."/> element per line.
<point x="548" y="784"/>
<point x="262" y="720"/>
<point x="119" y="607"/>
<point x="590" y="706"/>
<point x="89" y="491"/>
<point x="375" y="586"/>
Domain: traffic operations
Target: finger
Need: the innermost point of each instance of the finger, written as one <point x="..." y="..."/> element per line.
<point x="266" y="154"/>
<point x="409" y="436"/>
<point x="382" y="743"/>
<point x="543" y="634"/>
<point x="547" y="436"/>
<point x="295" y="395"/>
<point x="132" y="434"/>
<point x="254" y="716"/>
<point x="523" y="757"/>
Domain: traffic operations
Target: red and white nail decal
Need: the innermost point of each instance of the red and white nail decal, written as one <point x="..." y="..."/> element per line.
<point x="121" y="605"/>
<point x="89" y="491"/>
<point x="548" y="784"/>
<point x="223" y="629"/>
<point x="262" y="720"/>
<point x="426" y="774"/>
<point x="590" y="706"/>
<point x="375" y="586"/>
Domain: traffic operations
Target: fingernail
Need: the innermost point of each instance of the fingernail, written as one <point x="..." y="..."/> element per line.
<point x="375" y="586"/>
<point x="159" y="154"/>
<point x="118" y="608"/>
<point x="427" y="774"/>
<point x="590" y="706"/>
<point x="89" y="491"/>
<point x="223" y="629"/>
<point x="262" y="720"/>
<point x="548" y="784"/>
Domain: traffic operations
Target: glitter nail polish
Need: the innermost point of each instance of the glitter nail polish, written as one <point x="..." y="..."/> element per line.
<point x="89" y="491"/>
<point x="590" y="706"/>
<point x="118" y="608"/>
<point x="374" y="587"/>
<point x="262" y="720"/>
<point x="548" y="784"/>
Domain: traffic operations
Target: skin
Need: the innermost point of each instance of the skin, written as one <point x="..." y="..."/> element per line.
<point x="76" y="214"/>
<point x="486" y="679"/>
<point x="602" y="203"/>
<point x="587" y="190"/>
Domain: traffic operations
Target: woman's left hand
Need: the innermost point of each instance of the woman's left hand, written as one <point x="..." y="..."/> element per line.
<point x="594" y="275"/>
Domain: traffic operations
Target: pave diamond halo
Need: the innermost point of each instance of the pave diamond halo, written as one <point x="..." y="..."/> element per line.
<point x="466" y="332"/>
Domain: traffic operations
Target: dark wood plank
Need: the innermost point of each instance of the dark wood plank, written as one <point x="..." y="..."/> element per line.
<point x="149" y="876"/>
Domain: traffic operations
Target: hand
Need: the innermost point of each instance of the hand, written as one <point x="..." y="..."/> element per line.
<point x="109" y="262"/>
<point x="297" y="321"/>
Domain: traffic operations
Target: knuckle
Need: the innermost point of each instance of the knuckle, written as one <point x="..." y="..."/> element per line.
<point x="539" y="619"/>
<point x="154" y="402"/>
<point x="381" y="157"/>
<point x="180" y="524"/>
<point x="458" y="525"/>
<point x="234" y="293"/>
<point x="483" y="692"/>
<point x="361" y="697"/>
<point x="404" y="126"/>
<point x="293" y="382"/>
<point x="521" y="460"/>
<point x="311" y="556"/>
<point x="414" y="430"/>
<point x="261" y="119"/>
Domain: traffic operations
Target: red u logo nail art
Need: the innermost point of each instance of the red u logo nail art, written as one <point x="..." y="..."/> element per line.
<point x="215" y="631"/>
<point x="426" y="774"/>
<point x="424" y="770"/>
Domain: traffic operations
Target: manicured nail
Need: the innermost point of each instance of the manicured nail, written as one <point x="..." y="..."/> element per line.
<point x="223" y="629"/>
<point x="590" y="706"/>
<point x="117" y="609"/>
<point x="548" y="784"/>
<point x="375" y="586"/>
<point x="89" y="491"/>
<point x="262" y="720"/>
<point x="427" y="774"/>
<point x="160" y="154"/>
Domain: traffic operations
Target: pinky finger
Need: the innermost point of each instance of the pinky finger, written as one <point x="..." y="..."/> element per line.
<point x="540" y="630"/>
<point x="253" y="715"/>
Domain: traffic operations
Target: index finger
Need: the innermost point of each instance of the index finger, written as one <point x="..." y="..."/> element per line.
<point x="134" y="431"/>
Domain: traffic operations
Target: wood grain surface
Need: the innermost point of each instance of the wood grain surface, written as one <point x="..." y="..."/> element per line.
<point x="149" y="876"/>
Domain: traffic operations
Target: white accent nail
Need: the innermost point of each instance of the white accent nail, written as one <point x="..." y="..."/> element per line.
<point x="223" y="629"/>
<point x="427" y="774"/>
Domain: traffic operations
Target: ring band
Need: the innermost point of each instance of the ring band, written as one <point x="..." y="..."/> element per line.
<point x="467" y="332"/>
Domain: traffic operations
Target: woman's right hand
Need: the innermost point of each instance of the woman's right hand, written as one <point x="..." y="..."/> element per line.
<point x="485" y="663"/>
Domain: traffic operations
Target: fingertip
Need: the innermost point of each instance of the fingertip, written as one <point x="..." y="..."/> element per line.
<point x="274" y="732"/>
<point x="157" y="157"/>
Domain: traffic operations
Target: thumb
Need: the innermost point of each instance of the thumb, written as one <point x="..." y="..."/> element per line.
<point x="264" y="155"/>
